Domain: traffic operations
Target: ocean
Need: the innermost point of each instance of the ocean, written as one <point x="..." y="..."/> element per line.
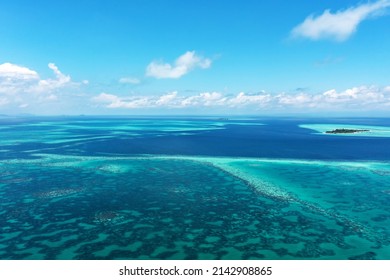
<point x="88" y="188"/>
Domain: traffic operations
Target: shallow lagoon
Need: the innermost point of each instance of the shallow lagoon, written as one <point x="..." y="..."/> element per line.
<point x="78" y="205"/>
<point x="373" y="131"/>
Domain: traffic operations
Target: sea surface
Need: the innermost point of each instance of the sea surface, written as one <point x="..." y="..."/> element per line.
<point x="193" y="188"/>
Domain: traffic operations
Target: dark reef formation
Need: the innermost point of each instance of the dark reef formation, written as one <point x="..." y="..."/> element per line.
<point x="345" y="130"/>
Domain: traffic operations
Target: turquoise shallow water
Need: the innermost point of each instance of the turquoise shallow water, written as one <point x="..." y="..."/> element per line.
<point x="175" y="207"/>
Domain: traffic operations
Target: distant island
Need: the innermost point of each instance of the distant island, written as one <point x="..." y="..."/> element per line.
<point x="345" y="130"/>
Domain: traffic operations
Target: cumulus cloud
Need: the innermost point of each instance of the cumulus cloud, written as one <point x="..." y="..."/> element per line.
<point x="50" y="85"/>
<point x="340" y="25"/>
<point x="204" y="99"/>
<point x="106" y="98"/>
<point x="14" y="78"/>
<point x="15" y="72"/>
<point x="182" y="66"/>
<point x="356" y="98"/>
<point x="167" y="99"/>
<point x="296" y="99"/>
<point x="242" y="99"/>
<point x="18" y="79"/>
<point x="21" y="87"/>
<point x="174" y="100"/>
<point x="113" y="101"/>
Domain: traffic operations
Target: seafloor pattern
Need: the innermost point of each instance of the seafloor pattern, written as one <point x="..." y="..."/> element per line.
<point x="150" y="207"/>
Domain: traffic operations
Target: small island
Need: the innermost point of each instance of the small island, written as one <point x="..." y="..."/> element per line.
<point x="345" y="130"/>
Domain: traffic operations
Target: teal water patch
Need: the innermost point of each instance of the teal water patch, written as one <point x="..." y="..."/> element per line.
<point x="373" y="131"/>
<point x="78" y="131"/>
<point x="166" y="207"/>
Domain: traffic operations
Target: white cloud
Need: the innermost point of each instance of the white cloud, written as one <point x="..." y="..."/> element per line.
<point x="50" y="85"/>
<point x="130" y="104"/>
<point x="21" y="87"/>
<point x="295" y="99"/>
<point x="15" y="72"/>
<point x="113" y="101"/>
<point x="60" y="77"/>
<point x="363" y="96"/>
<point x="129" y="80"/>
<point x="16" y="79"/>
<point x="339" y="25"/>
<point x="167" y="99"/>
<point x="204" y="99"/>
<point x="105" y="98"/>
<point x="242" y="99"/>
<point x="173" y="100"/>
<point x="182" y="66"/>
<point x="13" y="78"/>
<point x="356" y="98"/>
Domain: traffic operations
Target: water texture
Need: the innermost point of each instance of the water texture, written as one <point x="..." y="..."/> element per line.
<point x="105" y="189"/>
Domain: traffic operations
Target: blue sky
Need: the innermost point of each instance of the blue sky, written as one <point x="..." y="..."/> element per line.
<point x="195" y="57"/>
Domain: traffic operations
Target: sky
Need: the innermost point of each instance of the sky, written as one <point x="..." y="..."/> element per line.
<point x="247" y="57"/>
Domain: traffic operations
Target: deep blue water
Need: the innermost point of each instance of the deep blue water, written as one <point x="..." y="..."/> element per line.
<point x="277" y="138"/>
